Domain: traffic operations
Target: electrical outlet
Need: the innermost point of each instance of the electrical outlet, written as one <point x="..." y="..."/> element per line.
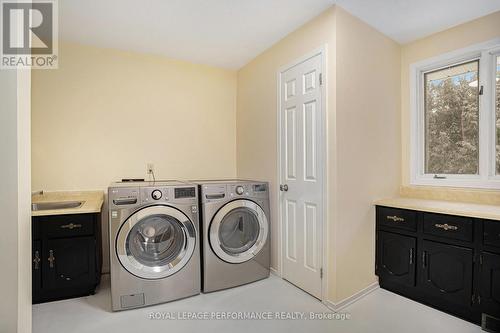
<point x="151" y="168"/>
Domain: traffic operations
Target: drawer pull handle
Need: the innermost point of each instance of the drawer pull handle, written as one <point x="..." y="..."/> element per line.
<point x="37" y="260"/>
<point x="446" y="226"/>
<point x="411" y="256"/>
<point x="395" y="218"/>
<point x="51" y="259"/>
<point x="71" y="226"/>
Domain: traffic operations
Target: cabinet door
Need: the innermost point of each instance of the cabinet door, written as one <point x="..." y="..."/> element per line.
<point x="396" y="258"/>
<point x="69" y="263"/>
<point x="491" y="235"/>
<point x="447" y="272"/>
<point x="490" y="284"/>
<point x="36" y="269"/>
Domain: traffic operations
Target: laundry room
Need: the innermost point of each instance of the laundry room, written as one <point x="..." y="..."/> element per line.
<point x="282" y="165"/>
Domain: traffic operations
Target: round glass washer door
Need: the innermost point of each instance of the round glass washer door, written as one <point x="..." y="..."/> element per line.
<point x="238" y="231"/>
<point x="155" y="242"/>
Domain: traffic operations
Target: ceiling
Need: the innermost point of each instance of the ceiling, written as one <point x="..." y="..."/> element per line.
<point x="229" y="33"/>
<point x="408" y="20"/>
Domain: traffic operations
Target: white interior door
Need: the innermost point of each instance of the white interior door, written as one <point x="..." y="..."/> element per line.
<point x="301" y="173"/>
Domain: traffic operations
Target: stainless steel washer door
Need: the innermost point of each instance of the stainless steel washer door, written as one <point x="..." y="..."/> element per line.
<point x="238" y="231"/>
<point x="155" y="242"/>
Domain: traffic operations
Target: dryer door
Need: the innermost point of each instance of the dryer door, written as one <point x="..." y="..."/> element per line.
<point x="238" y="231"/>
<point x="155" y="242"/>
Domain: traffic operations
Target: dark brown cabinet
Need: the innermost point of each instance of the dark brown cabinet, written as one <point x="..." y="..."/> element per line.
<point x="449" y="262"/>
<point x="490" y="283"/>
<point x="36" y="268"/>
<point x="71" y="263"/>
<point x="448" y="227"/>
<point x="66" y="256"/>
<point x="447" y="272"/>
<point x="396" y="258"/>
<point x="397" y="218"/>
<point x="491" y="235"/>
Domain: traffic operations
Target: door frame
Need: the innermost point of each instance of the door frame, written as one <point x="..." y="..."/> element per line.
<point x="323" y="147"/>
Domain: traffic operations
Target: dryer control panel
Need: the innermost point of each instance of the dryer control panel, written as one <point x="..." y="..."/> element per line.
<point x="232" y="191"/>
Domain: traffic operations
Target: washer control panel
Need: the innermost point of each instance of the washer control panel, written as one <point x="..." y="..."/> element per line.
<point x="185" y="192"/>
<point x="239" y="190"/>
<point x="156" y="194"/>
<point x="178" y="194"/>
<point x="152" y="194"/>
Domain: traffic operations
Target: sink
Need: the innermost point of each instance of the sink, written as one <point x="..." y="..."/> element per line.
<point x="56" y="205"/>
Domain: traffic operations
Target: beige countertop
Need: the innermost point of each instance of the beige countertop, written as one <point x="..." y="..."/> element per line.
<point x="491" y="212"/>
<point x="92" y="202"/>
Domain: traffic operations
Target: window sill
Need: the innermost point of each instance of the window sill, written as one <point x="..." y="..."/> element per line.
<point x="492" y="183"/>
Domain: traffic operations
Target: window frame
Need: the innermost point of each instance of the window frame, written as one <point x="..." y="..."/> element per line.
<point x="486" y="54"/>
<point x="494" y="53"/>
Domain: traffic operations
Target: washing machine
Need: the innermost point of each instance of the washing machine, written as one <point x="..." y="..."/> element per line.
<point x="154" y="243"/>
<point x="235" y="232"/>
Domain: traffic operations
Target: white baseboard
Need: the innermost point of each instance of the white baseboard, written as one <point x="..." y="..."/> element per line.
<point x="351" y="299"/>
<point x="274" y="271"/>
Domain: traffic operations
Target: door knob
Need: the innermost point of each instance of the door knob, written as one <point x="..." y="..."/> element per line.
<point x="284" y="188"/>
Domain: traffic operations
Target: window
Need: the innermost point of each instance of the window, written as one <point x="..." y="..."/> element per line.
<point x="452" y="120"/>
<point x="456" y="119"/>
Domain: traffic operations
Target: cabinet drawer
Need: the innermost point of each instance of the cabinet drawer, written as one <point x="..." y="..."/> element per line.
<point x="448" y="226"/>
<point x="397" y="218"/>
<point x="68" y="225"/>
<point x="491" y="234"/>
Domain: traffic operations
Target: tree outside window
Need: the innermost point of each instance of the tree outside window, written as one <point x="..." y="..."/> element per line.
<point x="452" y="120"/>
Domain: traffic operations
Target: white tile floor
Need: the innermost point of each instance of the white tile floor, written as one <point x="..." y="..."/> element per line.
<point x="380" y="311"/>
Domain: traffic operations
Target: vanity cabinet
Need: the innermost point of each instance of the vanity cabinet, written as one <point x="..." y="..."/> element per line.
<point x="67" y="256"/>
<point x="489" y="282"/>
<point x="36" y="269"/>
<point x="446" y="274"/>
<point x="396" y="258"/>
<point x="448" y="262"/>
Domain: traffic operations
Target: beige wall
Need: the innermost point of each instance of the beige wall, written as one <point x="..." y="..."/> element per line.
<point x="363" y="92"/>
<point x="473" y="32"/>
<point x="15" y="202"/>
<point x="368" y="149"/>
<point x="104" y="114"/>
